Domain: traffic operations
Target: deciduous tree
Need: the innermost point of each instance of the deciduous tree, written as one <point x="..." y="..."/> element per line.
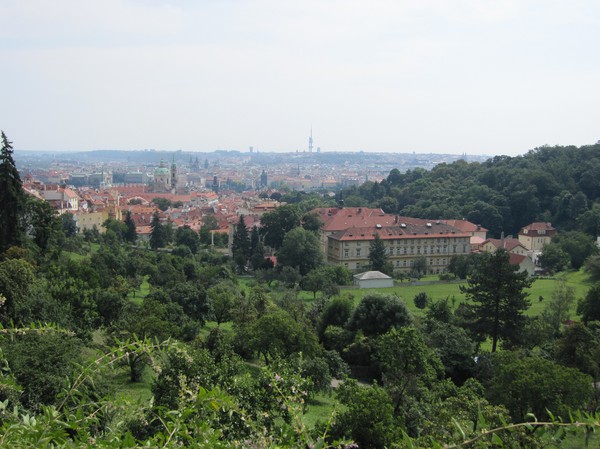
<point x="276" y="224"/>
<point x="406" y="362"/>
<point x="376" y="314"/>
<point x="301" y="250"/>
<point x="589" y="307"/>
<point x="557" y="309"/>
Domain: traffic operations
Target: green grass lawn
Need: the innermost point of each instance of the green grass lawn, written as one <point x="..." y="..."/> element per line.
<point x="133" y="392"/>
<point x="138" y="295"/>
<point x="320" y="408"/>
<point x="438" y="290"/>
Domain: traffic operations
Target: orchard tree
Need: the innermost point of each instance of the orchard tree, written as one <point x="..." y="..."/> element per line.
<point x="497" y="292"/>
<point x="41" y="222"/>
<point x="41" y="362"/>
<point x="222" y="299"/>
<point x="592" y="266"/>
<point x="301" y="250"/>
<point x="12" y="199"/>
<point x="589" y="307"/>
<point x="276" y="334"/>
<point x="406" y="363"/>
<point x="336" y="312"/>
<point x="376" y="314"/>
<point x="367" y="417"/>
<point x="535" y="385"/>
<point x="579" y="348"/>
<point x="17" y="277"/>
<point x="556" y="312"/>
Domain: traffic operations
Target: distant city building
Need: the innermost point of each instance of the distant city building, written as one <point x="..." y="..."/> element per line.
<point x="136" y="177"/>
<point x="163" y="178"/>
<point x="78" y="179"/>
<point x="263" y="179"/>
<point x="173" y="176"/>
<point x="101" y="179"/>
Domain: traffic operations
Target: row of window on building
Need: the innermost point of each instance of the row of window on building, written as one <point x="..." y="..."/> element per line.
<point x="411" y="250"/>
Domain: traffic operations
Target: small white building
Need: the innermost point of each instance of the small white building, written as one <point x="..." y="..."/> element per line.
<point x="373" y="279"/>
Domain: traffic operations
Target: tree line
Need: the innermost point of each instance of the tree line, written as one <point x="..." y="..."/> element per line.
<point x="548" y="184"/>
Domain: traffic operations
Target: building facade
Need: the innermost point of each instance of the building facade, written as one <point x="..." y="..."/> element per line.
<point x="405" y="243"/>
<point x="536" y="235"/>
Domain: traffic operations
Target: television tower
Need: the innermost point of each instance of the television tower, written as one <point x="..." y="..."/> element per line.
<point x="310" y="141"/>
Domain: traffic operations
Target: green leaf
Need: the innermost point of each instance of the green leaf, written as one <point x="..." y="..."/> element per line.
<point x="460" y="429"/>
<point x="496" y="439"/>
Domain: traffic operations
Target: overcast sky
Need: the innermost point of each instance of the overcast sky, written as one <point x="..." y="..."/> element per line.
<point x="447" y="76"/>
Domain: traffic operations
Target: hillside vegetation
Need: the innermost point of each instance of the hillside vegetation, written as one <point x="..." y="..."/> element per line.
<point x="108" y="343"/>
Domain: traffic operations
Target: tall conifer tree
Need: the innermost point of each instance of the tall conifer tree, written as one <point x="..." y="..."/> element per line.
<point x="12" y="198"/>
<point x="498" y="298"/>
<point x="377" y="255"/>
<point x="130" y="233"/>
<point x="240" y="247"/>
<point x="158" y="235"/>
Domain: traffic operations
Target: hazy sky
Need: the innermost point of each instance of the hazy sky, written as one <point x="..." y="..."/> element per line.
<point x="447" y="76"/>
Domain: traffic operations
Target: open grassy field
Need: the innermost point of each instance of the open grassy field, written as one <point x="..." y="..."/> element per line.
<point x="451" y="289"/>
<point x="138" y="295"/>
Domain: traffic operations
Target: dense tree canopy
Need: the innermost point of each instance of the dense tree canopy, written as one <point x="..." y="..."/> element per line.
<point x="119" y="311"/>
<point x="557" y="184"/>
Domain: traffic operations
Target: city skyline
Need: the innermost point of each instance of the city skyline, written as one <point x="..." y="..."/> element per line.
<point x="469" y="77"/>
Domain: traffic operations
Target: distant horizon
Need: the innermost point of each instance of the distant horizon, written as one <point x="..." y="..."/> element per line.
<point x="255" y="151"/>
<point x="303" y="151"/>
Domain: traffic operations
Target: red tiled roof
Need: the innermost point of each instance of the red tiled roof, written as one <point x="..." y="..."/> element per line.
<point x="509" y="243"/>
<point x="414" y="230"/>
<point x="336" y="219"/>
<point x="539" y="226"/>
<point x="466" y="226"/>
<point x="516" y="259"/>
